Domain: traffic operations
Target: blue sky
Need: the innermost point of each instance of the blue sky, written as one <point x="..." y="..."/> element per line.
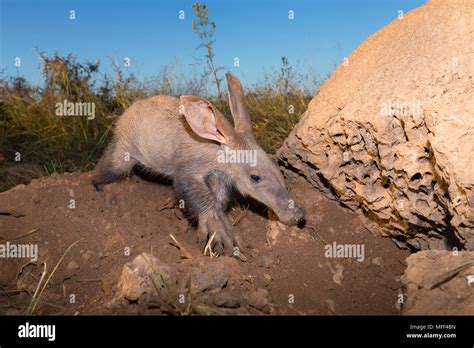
<point x="258" y="32"/>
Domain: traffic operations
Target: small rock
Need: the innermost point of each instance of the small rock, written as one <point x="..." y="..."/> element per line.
<point x="265" y="261"/>
<point x="213" y="275"/>
<point x="267" y="279"/>
<point x="258" y="298"/>
<point x="71" y="269"/>
<point x="338" y="275"/>
<point x="226" y="300"/>
<point x="139" y="275"/>
<point x="274" y="228"/>
<point x="377" y="261"/>
<point x="73" y="265"/>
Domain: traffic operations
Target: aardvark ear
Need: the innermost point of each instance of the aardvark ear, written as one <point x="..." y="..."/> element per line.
<point x="242" y="122"/>
<point x="205" y="120"/>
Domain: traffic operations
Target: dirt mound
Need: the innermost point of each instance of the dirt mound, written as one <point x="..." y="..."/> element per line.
<point x="114" y="254"/>
<point x="439" y="282"/>
<point x="390" y="133"/>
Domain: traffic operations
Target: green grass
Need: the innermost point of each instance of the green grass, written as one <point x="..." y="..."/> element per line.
<point x="29" y="126"/>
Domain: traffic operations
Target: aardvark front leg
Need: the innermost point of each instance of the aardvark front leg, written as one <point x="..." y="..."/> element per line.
<point x="207" y="199"/>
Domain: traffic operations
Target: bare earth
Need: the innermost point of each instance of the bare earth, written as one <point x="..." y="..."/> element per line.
<point x="286" y="271"/>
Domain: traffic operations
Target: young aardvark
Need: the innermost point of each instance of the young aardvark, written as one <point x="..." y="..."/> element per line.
<point x="204" y="156"/>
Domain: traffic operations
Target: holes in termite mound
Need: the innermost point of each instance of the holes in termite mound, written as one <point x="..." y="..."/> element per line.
<point x="415" y="177"/>
<point x="386" y="183"/>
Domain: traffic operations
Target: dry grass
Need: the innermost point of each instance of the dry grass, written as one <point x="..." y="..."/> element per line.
<point x="35" y="300"/>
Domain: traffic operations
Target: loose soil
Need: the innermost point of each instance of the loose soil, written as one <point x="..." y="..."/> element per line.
<point x="285" y="272"/>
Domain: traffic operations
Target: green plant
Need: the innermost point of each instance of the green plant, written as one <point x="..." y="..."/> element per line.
<point x="205" y="29"/>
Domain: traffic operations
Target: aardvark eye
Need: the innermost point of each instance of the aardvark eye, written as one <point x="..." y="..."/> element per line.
<point x="255" y="178"/>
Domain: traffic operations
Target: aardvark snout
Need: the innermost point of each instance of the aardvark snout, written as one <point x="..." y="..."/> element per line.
<point x="293" y="215"/>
